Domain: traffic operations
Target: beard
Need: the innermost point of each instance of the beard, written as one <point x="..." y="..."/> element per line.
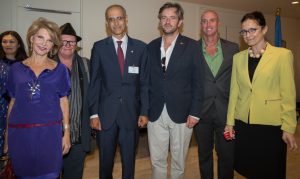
<point x="169" y="31"/>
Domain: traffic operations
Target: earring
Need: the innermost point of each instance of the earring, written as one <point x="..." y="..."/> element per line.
<point x="30" y="49"/>
<point x="52" y="53"/>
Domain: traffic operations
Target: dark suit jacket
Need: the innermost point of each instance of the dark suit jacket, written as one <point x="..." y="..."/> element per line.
<point x="180" y="87"/>
<point x="84" y="84"/>
<point x="216" y="89"/>
<point x="108" y="89"/>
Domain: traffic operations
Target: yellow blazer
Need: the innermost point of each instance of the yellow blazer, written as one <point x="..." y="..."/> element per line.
<point x="271" y="97"/>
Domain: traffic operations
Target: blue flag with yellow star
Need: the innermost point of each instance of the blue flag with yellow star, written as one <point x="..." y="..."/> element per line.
<point x="278" y="36"/>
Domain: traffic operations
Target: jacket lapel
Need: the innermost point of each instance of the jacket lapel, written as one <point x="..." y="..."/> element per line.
<point x="130" y="52"/>
<point x="263" y="61"/>
<point x="176" y="53"/>
<point x="244" y="67"/>
<point x="157" y="55"/>
<point x="226" y="58"/>
<point x="113" y="55"/>
<point x="204" y="61"/>
<point x="128" y="57"/>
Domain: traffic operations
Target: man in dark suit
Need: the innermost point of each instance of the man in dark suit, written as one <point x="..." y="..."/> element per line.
<point x="118" y="94"/>
<point x="217" y="62"/>
<point x="175" y="93"/>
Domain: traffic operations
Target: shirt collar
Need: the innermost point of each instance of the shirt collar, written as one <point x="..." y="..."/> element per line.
<point x="172" y="44"/>
<point x="124" y="39"/>
<point x="218" y="45"/>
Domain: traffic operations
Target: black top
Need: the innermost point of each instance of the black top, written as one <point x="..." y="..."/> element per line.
<point x="252" y="64"/>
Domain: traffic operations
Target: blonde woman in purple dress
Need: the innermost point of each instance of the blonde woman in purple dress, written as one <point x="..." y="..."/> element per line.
<point x="38" y="111"/>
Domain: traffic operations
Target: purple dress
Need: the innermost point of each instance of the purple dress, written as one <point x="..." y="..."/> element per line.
<point x="35" y="121"/>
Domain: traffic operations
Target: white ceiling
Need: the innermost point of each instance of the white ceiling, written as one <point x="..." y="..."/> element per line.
<point x="265" y="6"/>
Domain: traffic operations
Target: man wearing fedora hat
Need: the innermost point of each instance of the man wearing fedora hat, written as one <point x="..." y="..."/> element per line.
<point x="79" y="118"/>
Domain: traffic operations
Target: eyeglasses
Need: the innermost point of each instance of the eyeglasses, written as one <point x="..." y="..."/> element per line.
<point x="71" y="43"/>
<point x="163" y="64"/>
<point x="114" y="19"/>
<point x="249" y="31"/>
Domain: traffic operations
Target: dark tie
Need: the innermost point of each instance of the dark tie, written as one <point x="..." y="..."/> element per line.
<point x="120" y="57"/>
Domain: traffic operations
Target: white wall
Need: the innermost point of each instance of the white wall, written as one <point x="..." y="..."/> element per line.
<point x="5" y="15"/>
<point x="143" y="23"/>
<point x="142" y="20"/>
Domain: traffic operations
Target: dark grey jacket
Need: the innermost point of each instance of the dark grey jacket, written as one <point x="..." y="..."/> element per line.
<point x="216" y="89"/>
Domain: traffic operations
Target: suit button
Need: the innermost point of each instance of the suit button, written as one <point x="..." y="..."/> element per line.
<point x="120" y="99"/>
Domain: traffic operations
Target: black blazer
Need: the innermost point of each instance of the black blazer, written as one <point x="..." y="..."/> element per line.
<point x="108" y="89"/>
<point x="216" y="89"/>
<point x="180" y="88"/>
<point x="84" y="84"/>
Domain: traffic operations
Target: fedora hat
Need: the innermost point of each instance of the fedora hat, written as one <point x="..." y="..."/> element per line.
<point x="67" y="29"/>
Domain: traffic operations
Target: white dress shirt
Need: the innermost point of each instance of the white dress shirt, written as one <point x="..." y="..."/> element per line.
<point x="168" y="52"/>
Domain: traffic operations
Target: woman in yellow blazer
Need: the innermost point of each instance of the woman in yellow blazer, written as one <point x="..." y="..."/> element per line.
<point x="262" y="103"/>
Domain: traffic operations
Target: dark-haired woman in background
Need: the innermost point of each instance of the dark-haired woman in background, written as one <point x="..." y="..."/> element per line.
<point x="11" y="50"/>
<point x="262" y="103"/>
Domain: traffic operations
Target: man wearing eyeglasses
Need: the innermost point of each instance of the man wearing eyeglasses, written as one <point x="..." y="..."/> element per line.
<point x="175" y="93"/>
<point x="73" y="162"/>
<point x="216" y="55"/>
<point x="118" y="94"/>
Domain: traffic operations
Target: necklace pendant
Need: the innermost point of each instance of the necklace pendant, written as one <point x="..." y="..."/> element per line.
<point x="34" y="90"/>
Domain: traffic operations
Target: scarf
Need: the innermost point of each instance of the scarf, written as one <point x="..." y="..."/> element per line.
<point x="75" y="103"/>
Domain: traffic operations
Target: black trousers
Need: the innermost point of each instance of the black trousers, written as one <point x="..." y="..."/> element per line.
<point x="209" y="135"/>
<point x="73" y="163"/>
